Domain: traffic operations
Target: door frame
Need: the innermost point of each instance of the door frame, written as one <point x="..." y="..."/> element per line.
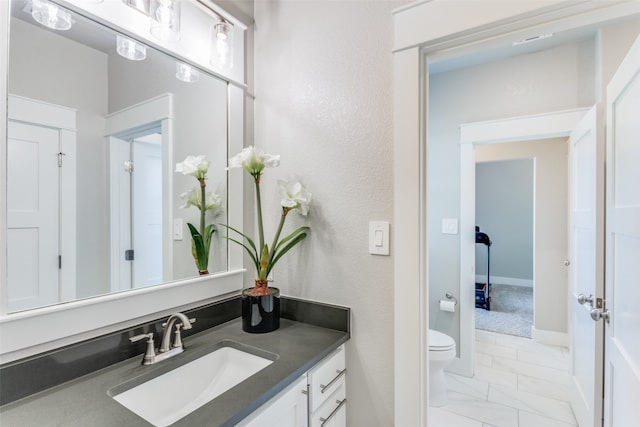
<point x="511" y="129"/>
<point x="424" y="30"/>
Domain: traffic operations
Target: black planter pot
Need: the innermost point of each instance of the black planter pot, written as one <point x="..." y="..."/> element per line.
<point x="260" y="313"/>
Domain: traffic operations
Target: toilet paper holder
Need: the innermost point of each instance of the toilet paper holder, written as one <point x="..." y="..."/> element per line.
<point x="449" y="295"/>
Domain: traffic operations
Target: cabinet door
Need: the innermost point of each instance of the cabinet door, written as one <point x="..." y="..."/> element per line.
<point x="287" y="409"/>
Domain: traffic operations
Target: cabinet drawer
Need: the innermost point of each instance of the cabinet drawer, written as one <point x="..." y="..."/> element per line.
<point x="333" y="412"/>
<point x="324" y="378"/>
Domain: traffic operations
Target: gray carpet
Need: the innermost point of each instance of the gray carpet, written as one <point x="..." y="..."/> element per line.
<point x="511" y="311"/>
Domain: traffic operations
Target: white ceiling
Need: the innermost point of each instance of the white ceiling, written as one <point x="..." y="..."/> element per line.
<point x="502" y="47"/>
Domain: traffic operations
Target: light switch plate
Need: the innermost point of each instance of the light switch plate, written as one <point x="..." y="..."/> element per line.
<point x="177" y="229"/>
<point x="449" y="226"/>
<point x="379" y="237"/>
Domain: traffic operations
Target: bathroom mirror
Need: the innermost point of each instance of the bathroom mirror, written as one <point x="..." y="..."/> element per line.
<point x="93" y="203"/>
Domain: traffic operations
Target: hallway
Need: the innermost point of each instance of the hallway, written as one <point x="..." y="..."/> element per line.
<point x="517" y="383"/>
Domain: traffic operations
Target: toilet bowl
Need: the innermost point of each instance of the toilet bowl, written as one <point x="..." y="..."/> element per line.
<point x="442" y="350"/>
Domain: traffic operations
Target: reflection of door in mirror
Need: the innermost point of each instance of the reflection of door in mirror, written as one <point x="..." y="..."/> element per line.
<point x="138" y="246"/>
<point x="140" y="143"/>
<point x="40" y="204"/>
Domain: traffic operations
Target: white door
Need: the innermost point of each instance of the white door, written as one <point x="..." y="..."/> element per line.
<point x="586" y="336"/>
<point x="32" y="216"/>
<point x="622" y="287"/>
<point x="146" y="203"/>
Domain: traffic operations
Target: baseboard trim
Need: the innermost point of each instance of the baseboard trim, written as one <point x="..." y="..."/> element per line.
<point x="513" y="281"/>
<point x="560" y="339"/>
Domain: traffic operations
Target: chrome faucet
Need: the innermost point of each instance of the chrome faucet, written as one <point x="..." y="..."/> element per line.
<point x="166" y="349"/>
<point x="185" y="323"/>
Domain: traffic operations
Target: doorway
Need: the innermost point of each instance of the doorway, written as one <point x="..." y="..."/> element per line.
<point x="504" y="259"/>
<point x="136" y="202"/>
<point x="140" y="150"/>
<point x="414" y="48"/>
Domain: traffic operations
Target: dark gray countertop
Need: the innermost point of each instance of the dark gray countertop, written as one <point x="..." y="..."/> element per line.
<point x="86" y="402"/>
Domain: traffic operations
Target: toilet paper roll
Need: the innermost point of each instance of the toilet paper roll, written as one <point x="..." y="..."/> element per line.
<point x="447" y="306"/>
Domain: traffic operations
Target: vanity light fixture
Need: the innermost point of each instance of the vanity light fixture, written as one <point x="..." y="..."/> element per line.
<point x="222" y="45"/>
<point x="130" y="49"/>
<point x="50" y="15"/>
<point x="186" y="73"/>
<point x="165" y="19"/>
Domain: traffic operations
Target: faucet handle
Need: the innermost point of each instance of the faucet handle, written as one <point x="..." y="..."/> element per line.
<point x="191" y="320"/>
<point x="140" y="337"/>
<point x="150" y="352"/>
<point x="177" y="341"/>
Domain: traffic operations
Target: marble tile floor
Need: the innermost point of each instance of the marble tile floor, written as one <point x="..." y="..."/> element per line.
<point x="517" y="383"/>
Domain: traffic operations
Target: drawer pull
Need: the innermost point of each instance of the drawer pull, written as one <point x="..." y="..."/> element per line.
<point x="340" y="405"/>
<point x="323" y="388"/>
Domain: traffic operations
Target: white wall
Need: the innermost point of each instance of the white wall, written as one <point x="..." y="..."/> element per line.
<point x="323" y="85"/>
<point x="549" y="80"/>
<point x="504" y="211"/>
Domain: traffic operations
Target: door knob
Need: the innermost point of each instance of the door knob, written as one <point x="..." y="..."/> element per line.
<point x="567" y="263"/>
<point x="597" y="314"/>
<point x="582" y="299"/>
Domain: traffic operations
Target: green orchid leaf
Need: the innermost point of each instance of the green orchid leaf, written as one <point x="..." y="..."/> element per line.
<point x="291" y="236"/>
<point x="247" y="238"/>
<point x="253" y="256"/>
<point x="200" y="252"/>
<point x="278" y="254"/>
<point x="208" y="234"/>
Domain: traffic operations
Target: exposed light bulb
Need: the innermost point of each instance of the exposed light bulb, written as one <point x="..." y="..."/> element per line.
<point x="222" y="30"/>
<point x="222" y="45"/>
<point x="164" y="15"/>
<point x="165" y="20"/>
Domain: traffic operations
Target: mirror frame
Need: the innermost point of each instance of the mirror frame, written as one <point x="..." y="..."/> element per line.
<point x="23" y="334"/>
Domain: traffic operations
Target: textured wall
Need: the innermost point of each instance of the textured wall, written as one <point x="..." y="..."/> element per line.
<point x="323" y="75"/>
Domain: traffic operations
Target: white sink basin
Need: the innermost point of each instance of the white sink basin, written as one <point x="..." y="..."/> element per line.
<point x="165" y="399"/>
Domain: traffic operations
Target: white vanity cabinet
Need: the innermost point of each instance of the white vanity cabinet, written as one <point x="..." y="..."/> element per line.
<point x="287" y="409"/>
<point x="316" y="399"/>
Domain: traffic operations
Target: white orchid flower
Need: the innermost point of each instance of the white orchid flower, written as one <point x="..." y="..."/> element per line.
<point x="196" y="166"/>
<point x="213" y="202"/>
<point x="213" y="205"/>
<point x="254" y="161"/>
<point x="294" y="196"/>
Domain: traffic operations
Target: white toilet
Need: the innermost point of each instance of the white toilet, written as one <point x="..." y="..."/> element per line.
<point x="442" y="350"/>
